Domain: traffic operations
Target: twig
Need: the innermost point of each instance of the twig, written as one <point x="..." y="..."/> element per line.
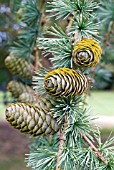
<point x="70" y="22"/>
<point x="11" y="4"/>
<point x="37" y="59"/>
<point x="94" y="148"/>
<point x="62" y="141"/>
<point x="61" y="145"/>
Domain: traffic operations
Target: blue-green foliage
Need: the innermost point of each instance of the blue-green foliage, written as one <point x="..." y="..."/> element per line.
<point x="76" y="153"/>
<point x="30" y="22"/>
<point x="60" y="46"/>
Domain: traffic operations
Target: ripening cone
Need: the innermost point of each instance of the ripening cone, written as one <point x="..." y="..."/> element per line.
<point x="65" y="82"/>
<point x="31" y="119"/>
<point x="87" y="53"/>
<point x="27" y="98"/>
<point x="17" y="88"/>
<point x="47" y="102"/>
<point x="19" y="66"/>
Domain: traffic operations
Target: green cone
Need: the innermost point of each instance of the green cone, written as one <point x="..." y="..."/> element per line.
<point x="17" y="88"/>
<point x="31" y="119"/>
<point x="19" y="66"/>
<point x="28" y="98"/>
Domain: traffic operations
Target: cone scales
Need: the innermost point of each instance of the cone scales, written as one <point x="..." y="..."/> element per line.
<point x="17" y="88"/>
<point x="19" y="66"/>
<point x="28" y="98"/>
<point x="65" y="82"/>
<point x="87" y="53"/>
<point x="44" y="102"/>
<point x="31" y="119"/>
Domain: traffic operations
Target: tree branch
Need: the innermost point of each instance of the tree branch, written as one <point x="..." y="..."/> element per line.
<point x="37" y="59"/>
<point x="61" y="145"/>
<point x="94" y="148"/>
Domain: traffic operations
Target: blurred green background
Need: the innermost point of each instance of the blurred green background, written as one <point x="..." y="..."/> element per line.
<point x="100" y="100"/>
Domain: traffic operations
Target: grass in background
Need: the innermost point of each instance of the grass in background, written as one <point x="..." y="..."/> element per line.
<point x="2" y="106"/>
<point x="101" y="102"/>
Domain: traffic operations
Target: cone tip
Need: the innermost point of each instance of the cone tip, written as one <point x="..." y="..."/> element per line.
<point x="8" y="58"/>
<point x="7" y="112"/>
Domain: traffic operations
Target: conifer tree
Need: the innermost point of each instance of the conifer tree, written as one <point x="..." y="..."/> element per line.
<point x="65" y="136"/>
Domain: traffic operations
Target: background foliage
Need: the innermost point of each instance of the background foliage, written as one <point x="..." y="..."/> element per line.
<point x="48" y="153"/>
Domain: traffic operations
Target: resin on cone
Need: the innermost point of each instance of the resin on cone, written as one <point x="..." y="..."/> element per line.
<point x="65" y="82"/>
<point x="87" y="53"/>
